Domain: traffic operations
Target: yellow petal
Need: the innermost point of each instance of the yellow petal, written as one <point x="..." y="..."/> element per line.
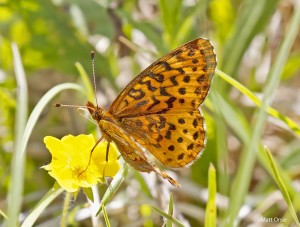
<point x="71" y="156"/>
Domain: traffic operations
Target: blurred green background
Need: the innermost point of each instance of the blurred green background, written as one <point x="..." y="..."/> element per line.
<point x="127" y="36"/>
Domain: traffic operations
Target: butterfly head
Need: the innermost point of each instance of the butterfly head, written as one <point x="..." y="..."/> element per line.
<point x="95" y="111"/>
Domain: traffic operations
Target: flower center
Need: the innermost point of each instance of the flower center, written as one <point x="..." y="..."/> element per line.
<point x="80" y="171"/>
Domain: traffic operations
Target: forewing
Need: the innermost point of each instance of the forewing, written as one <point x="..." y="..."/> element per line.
<point x="175" y="83"/>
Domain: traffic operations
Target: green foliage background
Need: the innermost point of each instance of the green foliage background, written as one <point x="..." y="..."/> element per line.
<point x="247" y="35"/>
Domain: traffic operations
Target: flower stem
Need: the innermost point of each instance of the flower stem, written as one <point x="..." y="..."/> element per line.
<point x="65" y="210"/>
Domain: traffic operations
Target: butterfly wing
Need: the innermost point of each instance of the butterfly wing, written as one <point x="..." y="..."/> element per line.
<point x="130" y="151"/>
<point x="175" y="83"/>
<point x="176" y="140"/>
<point x="159" y="108"/>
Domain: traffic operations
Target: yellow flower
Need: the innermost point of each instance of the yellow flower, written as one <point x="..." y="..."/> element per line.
<point x="70" y="161"/>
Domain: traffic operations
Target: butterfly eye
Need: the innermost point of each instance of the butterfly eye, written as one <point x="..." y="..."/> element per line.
<point x="97" y="114"/>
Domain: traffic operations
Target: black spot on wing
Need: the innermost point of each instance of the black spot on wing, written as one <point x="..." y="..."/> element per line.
<point x="142" y="103"/>
<point x="158" y="77"/>
<point x="173" y="80"/>
<point x="149" y="86"/>
<point x="155" y="102"/>
<point x="166" y="65"/>
<point x="170" y="102"/>
<point x="136" y="94"/>
<point x="163" y="92"/>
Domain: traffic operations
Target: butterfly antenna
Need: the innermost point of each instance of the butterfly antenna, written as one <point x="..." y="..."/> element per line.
<point x="94" y="76"/>
<point x="72" y="106"/>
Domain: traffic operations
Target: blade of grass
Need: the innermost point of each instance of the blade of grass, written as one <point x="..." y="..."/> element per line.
<point x="221" y="143"/>
<point x="211" y="209"/>
<point x="296" y="204"/>
<point x="18" y="163"/>
<point x="144" y="187"/>
<point x="114" y="185"/>
<point x="241" y="129"/>
<point x="282" y="187"/>
<point x="222" y="14"/>
<point x="273" y="112"/>
<point x="170" y="211"/>
<point x="251" y="19"/>
<point x="169" y="217"/>
<point x="86" y="81"/>
<point x="264" y="161"/>
<point x="237" y="122"/>
<point x="170" y="14"/>
<point x="242" y="179"/>
<point x="234" y="118"/>
<point x="89" y="193"/>
<point x="3" y="214"/>
<point x="40" y="207"/>
<point x="15" y="193"/>
<point x="105" y="216"/>
<point x="183" y="31"/>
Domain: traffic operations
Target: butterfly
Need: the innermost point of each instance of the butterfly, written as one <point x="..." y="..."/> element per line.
<point x="158" y="114"/>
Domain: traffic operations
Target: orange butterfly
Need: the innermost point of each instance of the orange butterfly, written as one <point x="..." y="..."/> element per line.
<point x="159" y="110"/>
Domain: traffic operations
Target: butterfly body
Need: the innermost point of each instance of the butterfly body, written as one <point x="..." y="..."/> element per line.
<point x="112" y="130"/>
<point x="159" y="110"/>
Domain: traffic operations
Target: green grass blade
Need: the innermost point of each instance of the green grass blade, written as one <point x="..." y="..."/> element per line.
<point x="86" y="81"/>
<point x="144" y="187"/>
<point x="105" y="216"/>
<point x="89" y="193"/>
<point x="222" y="14"/>
<point x="252" y="18"/>
<point x="239" y="126"/>
<point x="170" y="211"/>
<point x="296" y="205"/>
<point x="40" y="207"/>
<point x="44" y="101"/>
<point x="169" y="217"/>
<point x="233" y="117"/>
<point x="3" y="214"/>
<point x="242" y="179"/>
<point x="18" y="163"/>
<point x="114" y="185"/>
<point x="65" y="209"/>
<point x="273" y="112"/>
<point x="211" y="209"/>
<point x="221" y="144"/>
<point x="17" y="171"/>
<point x="22" y="96"/>
<point x="170" y="14"/>
<point x="237" y="122"/>
<point x="282" y="187"/>
<point x="264" y="161"/>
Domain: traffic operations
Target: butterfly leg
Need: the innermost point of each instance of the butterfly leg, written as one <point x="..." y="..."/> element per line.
<point x="91" y="152"/>
<point x="107" y="151"/>
<point x="106" y="158"/>
<point x="166" y="176"/>
<point x="140" y="162"/>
